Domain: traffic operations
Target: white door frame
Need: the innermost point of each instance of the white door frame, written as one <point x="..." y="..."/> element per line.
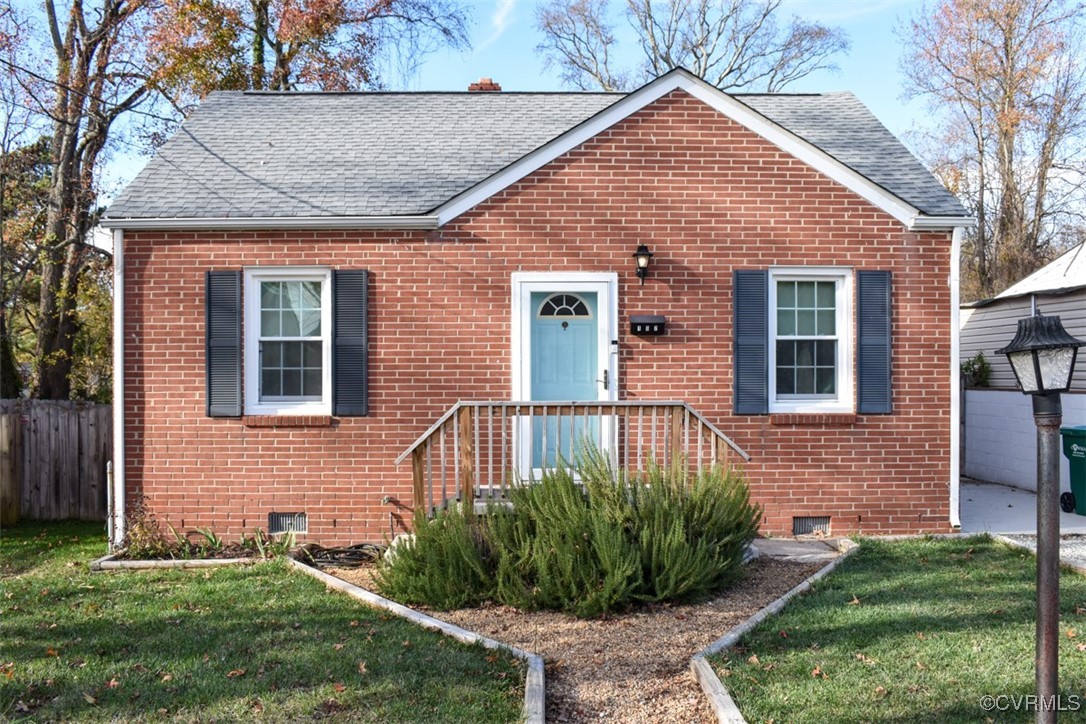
<point x="605" y="285"/>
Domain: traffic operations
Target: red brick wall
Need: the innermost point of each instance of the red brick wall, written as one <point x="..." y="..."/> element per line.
<point x="706" y="195"/>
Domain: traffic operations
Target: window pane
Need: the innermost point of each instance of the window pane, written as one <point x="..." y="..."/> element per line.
<point x="826" y="353"/>
<point x="271" y="354"/>
<point x="269" y="323"/>
<point x="292" y="354"/>
<point x="805" y="353"/>
<point x="805" y="295"/>
<point x="827" y="321"/>
<point x="826" y="379"/>
<point x="786" y="295"/>
<point x="311" y="354"/>
<point x="290" y="324"/>
<point x="805" y="322"/>
<point x="269" y="295"/>
<point x="826" y="295"/>
<point x="311" y="380"/>
<point x="786" y="354"/>
<point x="311" y="295"/>
<point x="292" y="383"/>
<point x="270" y="382"/>
<point x="310" y="324"/>
<point x="805" y="381"/>
<point x="786" y="384"/>
<point x="786" y="322"/>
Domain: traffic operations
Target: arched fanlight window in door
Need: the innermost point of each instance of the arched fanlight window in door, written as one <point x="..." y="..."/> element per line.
<point x="564" y="305"/>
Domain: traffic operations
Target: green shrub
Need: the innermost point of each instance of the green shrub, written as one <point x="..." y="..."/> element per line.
<point x="976" y="370"/>
<point x="589" y="546"/>
<point x="443" y="566"/>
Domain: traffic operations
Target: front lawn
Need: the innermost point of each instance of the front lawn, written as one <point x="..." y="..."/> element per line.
<point x="227" y="644"/>
<point x="917" y="630"/>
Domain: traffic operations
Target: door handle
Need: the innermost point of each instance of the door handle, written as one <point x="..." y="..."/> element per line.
<point x="605" y="380"/>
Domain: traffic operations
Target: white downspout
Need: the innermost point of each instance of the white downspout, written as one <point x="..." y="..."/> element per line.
<point x="955" y="376"/>
<point x="116" y="493"/>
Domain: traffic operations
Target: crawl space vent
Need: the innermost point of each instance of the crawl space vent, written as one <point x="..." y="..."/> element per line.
<point x="287" y="522"/>
<point x="811" y="525"/>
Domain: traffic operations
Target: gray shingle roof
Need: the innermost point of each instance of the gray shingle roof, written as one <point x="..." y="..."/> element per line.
<point x="393" y="154"/>
<point x="843" y="127"/>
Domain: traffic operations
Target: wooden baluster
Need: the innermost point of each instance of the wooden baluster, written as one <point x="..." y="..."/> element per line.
<point x="418" y="482"/>
<point x="676" y="437"/>
<point x="543" y="454"/>
<point x="441" y="435"/>
<point x="465" y="418"/>
<point x="430" y="472"/>
<point x="505" y="445"/>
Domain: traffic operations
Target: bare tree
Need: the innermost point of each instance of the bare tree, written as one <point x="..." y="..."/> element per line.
<point x="1008" y="89"/>
<point x="733" y="44"/>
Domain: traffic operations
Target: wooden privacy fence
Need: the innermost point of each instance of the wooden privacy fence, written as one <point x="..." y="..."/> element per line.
<point x="53" y="457"/>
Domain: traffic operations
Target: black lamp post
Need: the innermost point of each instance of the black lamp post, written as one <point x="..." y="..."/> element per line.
<point x="642" y="257"/>
<point x="1042" y="355"/>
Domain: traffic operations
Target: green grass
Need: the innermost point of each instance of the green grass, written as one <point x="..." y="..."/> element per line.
<point x="908" y="631"/>
<point x="226" y="644"/>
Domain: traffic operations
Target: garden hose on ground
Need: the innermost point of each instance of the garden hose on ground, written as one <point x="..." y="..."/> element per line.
<point x="354" y="556"/>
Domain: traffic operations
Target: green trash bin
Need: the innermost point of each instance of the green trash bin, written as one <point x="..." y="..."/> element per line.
<point x="1074" y="449"/>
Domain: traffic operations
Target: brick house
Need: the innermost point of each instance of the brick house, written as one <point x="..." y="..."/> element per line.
<point x="313" y="286"/>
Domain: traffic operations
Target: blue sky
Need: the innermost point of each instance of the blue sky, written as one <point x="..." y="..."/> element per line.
<point x="504" y="39"/>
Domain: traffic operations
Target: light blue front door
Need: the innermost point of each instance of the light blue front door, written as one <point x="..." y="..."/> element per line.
<point x="564" y="366"/>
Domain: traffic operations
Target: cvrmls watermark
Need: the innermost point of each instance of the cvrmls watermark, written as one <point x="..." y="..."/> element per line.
<point x="1030" y="702"/>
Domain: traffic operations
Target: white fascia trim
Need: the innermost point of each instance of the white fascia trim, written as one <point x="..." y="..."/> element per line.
<point x="955" y="377"/>
<point x="276" y="222"/>
<point x="715" y="98"/>
<point x="116" y="492"/>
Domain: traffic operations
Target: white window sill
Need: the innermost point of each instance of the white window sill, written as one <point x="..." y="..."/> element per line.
<point x="812" y="408"/>
<point x="290" y="410"/>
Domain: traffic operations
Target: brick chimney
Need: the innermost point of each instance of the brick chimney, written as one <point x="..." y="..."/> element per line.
<point x="485" y="85"/>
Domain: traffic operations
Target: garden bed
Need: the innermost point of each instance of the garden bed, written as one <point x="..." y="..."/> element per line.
<point x="631" y="667"/>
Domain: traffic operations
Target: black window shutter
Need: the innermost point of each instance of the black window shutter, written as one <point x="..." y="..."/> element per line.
<point x="873" y="332"/>
<point x="350" y="379"/>
<point x="751" y="341"/>
<point x="222" y="324"/>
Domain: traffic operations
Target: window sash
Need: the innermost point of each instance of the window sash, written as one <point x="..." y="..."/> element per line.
<point x="257" y="401"/>
<point x="840" y="399"/>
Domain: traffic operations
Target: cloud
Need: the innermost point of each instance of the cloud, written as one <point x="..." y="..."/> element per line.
<point x="499" y="21"/>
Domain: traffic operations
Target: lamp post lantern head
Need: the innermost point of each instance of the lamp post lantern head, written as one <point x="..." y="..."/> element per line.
<point x="642" y="257"/>
<point x="1042" y="355"/>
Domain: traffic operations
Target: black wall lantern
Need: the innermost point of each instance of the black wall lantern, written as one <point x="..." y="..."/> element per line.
<point x="1042" y="355"/>
<point x="642" y="257"/>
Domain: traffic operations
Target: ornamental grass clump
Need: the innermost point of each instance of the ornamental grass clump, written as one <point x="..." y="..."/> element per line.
<point x="589" y="543"/>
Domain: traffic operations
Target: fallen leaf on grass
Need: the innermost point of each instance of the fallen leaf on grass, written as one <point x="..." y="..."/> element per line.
<point x="113" y="683"/>
<point x="855" y="601"/>
<point x="865" y="659"/>
<point x="257" y="706"/>
<point x="362" y="667"/>
<point x="1071" y="633"/>
<point x="51" y="652"/>
<point x="783" y="634"/>
<point x="818" y="673"/>
<point x="880" y="691"/>
<point x="920" y="666"/>
<point x="234" y="673"/>
<point x="339" y="688"/>
<point x="753" y="660"/>
<point x="920" y="635"/>
<point x="89" y="699"/>
<point x="492" y="658"/>
<point x="166" y="677"/>
<point x="337" y="647"/>
<point x="1080" y="647"/>
<point x="354" y="624"/>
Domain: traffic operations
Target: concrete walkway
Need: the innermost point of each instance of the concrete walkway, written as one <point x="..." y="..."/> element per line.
<point x="993" y="508"/>
<point x="803" y="550"/>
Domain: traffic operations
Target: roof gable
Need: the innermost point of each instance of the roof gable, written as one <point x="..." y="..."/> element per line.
<point x="419" y="160"/>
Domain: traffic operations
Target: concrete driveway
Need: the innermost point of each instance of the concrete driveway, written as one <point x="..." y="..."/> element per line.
<point x="994" y="508"/>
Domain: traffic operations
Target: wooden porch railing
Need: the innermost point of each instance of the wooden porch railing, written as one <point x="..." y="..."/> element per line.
<point x="477" y="449"/>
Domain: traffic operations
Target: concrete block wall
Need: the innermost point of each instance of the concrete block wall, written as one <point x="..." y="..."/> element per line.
<point x="1001" y="438"/>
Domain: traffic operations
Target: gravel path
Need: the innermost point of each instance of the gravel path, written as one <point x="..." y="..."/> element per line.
<point x="630" y="668"/>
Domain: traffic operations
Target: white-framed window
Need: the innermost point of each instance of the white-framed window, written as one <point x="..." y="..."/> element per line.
<point x="810" y="340"/>
<point x="288" y="341"/>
